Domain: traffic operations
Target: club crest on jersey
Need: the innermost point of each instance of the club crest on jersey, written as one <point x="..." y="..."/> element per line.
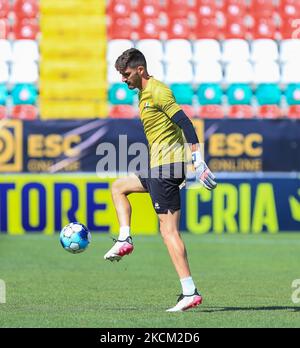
<point x="147" y="106"/>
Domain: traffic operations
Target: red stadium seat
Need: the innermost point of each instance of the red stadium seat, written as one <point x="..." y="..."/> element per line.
<point x="264" y="28"/>
<point x="294" y="112"/>
<point x="3" y="112"/>
<point x="122" y="111"/>
<point x="289" y="28"/>
<point x="207" y="28"/>
<point x="119" y="8"/>
<point x="26" y="8"/>
<point x="240" y="111"/>
<point x="179" y="8"/>
<point x="120" y="28"/>
<point x="235" y="29"/>
<point x="263" y="8"/>
<point x="269" y="111"/>
<point x="149" y="8"/>
<point x="179" y="28"/>
<point x="4" y="8"/>
<point x="150" y="28"/>
<point x="206" y="8"/>
<point x="25" y="112"/>
<point x="27" y="29"/>
<point x="4" y="29"/>
<point x="211" y="111"/>
<point x="234" y="9"/>
<point x="289" y="9"/>
<point x="189" y="110"/>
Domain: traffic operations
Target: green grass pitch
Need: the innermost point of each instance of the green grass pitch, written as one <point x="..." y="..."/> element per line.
<point x="246" y="281"/>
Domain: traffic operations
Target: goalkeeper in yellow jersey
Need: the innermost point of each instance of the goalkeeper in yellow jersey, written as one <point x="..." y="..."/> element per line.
<point x="163" y="122"/>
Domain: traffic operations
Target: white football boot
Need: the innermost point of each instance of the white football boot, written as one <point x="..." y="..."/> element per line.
<point x="185" y="302"/>
<point x="119" y="249"/>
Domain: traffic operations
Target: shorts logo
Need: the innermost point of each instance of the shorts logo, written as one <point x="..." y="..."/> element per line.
<point x="11" y="146"/>
<point x="156" y="205"/>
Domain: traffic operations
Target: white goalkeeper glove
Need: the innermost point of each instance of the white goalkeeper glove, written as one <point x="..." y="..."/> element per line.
<point x="203" y="173"/>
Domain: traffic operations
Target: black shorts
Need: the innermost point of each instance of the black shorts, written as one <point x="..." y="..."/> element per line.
<point x="163" y="183"/>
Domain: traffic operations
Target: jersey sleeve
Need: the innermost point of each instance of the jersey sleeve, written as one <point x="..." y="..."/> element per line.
<point x="164" y="99"/>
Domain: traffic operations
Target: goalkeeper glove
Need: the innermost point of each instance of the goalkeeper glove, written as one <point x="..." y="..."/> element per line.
<point x="203" y="173"/>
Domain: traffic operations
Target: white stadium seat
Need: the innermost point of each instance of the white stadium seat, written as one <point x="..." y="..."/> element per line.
<point x="24" y="72"/>
<point x="264" y="49"/>
<point x="25" y="50"/>
<point x="206" y="72"/>
<point x="235" y="49"/>
<point x="290" y="50"/>
<point x="179" y="50"/>
<point x="207" y="49"/>
<point x="290" y="72"/>
<point x="4" y="73"/>
<point x="156" y="69"/>
<point x="113" y="75"/>
<point x="116" y="48"/>
<point x="179" y="73"/>
<point x="5" y="51"/>
<point x="266" y="72"/>
<point x="152" y="49"/>
<point x="239" y="72"/>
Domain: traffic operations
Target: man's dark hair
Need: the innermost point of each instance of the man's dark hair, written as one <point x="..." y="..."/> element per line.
<point x="131" y="58"/>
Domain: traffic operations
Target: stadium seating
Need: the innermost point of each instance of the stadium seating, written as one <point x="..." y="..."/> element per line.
<point x="3" y="112"/>
<point x="6" y="51"/>
<point x="152" y="50"/>
<point x="289" y="50"/>
<point x="244" y="53"/>
<point x="26" y="29"/>
<point x="24" y="72"/>
<point x="209" y="94"/>
<point x="122" y="111"/>
<point x="4" y="28"/>
<point x="294" y="112"/>
<point x="25" y="50"/>
<point x="183" y="93"/>
<point x="24" y="94"/>
<point x="116" y="48"/>
<point x="119" y="93"/>
<point x="235" y="49"/>
<point x="179" y="73"/>
<point x="4" y="72"/>
<point x="264" y="50"/>
<point x="4" y="8"/>
<point x="173" y="46"/>
<point x="3" y="94"/>
<point x="25" y="112"/>
<point x="189" y="110"/>
<point x="206" y="50"/>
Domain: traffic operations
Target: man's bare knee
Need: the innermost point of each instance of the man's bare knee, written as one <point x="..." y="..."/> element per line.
<point x="118" y="187"/>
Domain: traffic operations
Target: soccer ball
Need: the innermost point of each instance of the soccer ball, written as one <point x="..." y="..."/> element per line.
<point x="75" y="237"/>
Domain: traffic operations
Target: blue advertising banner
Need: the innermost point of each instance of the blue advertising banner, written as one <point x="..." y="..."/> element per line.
<point x="252" y="145"/>
<point x="73" y="146"/>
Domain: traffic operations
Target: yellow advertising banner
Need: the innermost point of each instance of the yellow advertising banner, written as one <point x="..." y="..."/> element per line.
<point x="46" y="203"/>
